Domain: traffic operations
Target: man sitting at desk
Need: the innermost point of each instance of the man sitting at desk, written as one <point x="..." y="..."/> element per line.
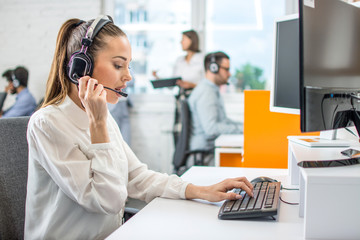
<point x="208" y="115"/>
<point x="25" y="103"/>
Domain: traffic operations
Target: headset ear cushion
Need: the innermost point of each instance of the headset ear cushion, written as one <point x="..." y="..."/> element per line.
<point x="214" y="68"/>
<point x="80" y="65"/>
<point x="16" y="83"/>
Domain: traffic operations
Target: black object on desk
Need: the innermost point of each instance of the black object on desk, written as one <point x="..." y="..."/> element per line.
<point x="264" y="203"/>
<point x="165" y="82"/>
<point x="329" y="163"/>
<point x="2" y="99"/>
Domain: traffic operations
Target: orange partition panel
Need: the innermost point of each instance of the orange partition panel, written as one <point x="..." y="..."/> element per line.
<point x="265" y="132"/>
<point x="231" y="160"/>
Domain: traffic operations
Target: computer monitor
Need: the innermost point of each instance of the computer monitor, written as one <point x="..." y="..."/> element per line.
<point x="329" y="65"/>
<point x="285" y="94"/>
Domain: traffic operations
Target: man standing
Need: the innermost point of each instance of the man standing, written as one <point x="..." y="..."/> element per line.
<point x="208" y="115"/>
<point x="25" y="103"/>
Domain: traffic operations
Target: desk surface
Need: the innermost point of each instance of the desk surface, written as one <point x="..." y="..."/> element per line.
<point x="197" y="219"/>
<point x="331" y="175"/>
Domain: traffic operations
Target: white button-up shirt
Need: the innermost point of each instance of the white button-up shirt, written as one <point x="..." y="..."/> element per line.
<point x="77" y="190"/>
<point x="192" y="71"/>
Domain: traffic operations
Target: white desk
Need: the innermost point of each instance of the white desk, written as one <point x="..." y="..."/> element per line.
<point x="185" y="219"/>
<point x="228" y="143"/>
<point x="329" y="197"/>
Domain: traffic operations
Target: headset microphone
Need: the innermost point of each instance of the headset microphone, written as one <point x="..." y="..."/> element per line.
<point x="118" y="92"/>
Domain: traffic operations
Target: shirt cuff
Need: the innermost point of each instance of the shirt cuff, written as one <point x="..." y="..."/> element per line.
<point x="183" y="189"/>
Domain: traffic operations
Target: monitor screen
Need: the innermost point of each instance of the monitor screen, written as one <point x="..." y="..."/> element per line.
<point x="329" y="65"/>
<point x="284" y="94"/>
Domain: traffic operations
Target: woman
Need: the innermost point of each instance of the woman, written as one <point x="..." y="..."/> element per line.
<point x="191" y="69"/>
<point x="81" y="171"/>
<point x="191" y="66"/>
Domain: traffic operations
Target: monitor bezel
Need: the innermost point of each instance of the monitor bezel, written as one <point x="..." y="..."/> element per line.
<point x="274" y="108"/>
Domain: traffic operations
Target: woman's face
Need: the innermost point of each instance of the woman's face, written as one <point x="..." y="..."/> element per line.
<point x="111" y="66"/>
<point x="185" y="42"/>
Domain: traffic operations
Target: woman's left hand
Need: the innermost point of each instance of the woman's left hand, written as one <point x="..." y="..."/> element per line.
<point x="220" y="191"/>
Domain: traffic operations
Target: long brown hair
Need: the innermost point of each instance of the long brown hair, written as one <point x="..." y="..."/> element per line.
<point x="68" y="41"/>
<point x="194" y="46"/>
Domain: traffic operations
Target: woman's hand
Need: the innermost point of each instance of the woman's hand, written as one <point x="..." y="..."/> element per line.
<point x="93" y="98"/>
<point x="219" y="191"/>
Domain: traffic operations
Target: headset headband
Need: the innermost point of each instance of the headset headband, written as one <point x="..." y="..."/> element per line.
<point x="94" y="28"/>
<point x="81" y="63"/>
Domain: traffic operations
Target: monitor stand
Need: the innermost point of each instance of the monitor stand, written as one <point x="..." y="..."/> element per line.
<point x="326" y="139"/>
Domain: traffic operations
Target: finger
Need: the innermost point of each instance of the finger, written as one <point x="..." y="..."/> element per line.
<point x="91" y="85"/>
<point x="240" y="184"/>
<point x="231" y="196"/>
<point x="82" y="86"/>
<point x="246" y="181"/>
<point x="99" y="88"/>
<point x="103" y="92"/>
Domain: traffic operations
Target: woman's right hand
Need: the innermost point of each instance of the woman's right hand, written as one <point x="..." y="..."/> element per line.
<point x="154" y="73"/>
<point x="93" y="98"/>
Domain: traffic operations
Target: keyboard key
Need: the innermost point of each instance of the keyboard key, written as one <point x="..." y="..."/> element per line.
<point x="228" y="205"/>
<point x="244" y="203"/>
<point x="261" y="205"/>
<point x="260" y="200"/>
<point x="236" y="206"/>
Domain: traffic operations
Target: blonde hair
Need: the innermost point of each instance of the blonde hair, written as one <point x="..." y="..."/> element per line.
<point x="69" y="41"/>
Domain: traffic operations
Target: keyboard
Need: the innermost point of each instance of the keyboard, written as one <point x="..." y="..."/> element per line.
<point x="264" y="203"/>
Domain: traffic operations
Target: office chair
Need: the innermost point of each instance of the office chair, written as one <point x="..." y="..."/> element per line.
<point x="13" y="176"/>
<point x="2" y="99"/>
<point x="182" y="153"/>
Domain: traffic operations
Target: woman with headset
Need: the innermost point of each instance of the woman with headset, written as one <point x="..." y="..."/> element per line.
<point x="81" y="171"/>
<point x="190" y="68"/>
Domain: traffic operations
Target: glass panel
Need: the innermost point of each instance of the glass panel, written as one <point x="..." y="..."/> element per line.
<point x="154" y="30"/>
<point x="245" y="32"/>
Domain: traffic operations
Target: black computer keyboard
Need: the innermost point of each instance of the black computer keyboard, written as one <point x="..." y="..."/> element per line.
<point x="264" y="203"/>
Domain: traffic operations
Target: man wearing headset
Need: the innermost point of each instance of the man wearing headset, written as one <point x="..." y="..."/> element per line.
<point x="25" y="103"/>
<point x="208" y="115"/>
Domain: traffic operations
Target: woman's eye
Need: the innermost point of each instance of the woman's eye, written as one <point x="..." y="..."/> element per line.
<point x="117" y="66"/>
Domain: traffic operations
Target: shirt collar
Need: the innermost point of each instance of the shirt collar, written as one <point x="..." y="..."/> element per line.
<point x="210" y="83"/>
<point x="73" y="112"/>
<point x="25" y="91"/>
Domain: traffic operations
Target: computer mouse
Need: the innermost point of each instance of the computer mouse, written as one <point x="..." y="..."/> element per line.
<point x="263" y="179"/>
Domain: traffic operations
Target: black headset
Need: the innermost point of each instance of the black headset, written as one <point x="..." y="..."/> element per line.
<point x="15" y="81"/>
<point x="81" y="63"/>
<point x="213" y="67"/>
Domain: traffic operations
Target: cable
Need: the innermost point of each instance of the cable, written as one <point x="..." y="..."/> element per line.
<point x="347" y="129"/>
<point x="322" y="112"/>
<point x="333" y="116"/>
<point x="288" y="202"/>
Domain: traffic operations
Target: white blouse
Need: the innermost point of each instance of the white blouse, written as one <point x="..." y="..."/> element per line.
<point x="192" y="71"/>
<point x="78" y="190"/>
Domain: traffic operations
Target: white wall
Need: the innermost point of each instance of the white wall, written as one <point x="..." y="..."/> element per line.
<point x="28" y="34"/>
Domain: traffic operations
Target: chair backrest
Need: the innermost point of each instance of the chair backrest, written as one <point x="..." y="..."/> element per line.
<point x="2" y="99"/>
<point x="182" y="145"/>
<point x="13" y="176"/>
